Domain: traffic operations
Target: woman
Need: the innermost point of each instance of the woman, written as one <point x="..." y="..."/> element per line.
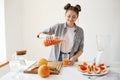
<point x="71" y="33"/>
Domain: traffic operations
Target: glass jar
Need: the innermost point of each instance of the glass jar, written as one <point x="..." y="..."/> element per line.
<point x="21" y="56"/>
<point x="14" y="64"/>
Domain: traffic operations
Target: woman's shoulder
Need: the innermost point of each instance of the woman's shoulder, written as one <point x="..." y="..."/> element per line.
<point x="79" y="28"/>
<point x="60" y="24"/>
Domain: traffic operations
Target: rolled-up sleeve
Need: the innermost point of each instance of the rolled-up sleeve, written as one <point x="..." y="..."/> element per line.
<point x="50" y="30"/>
<point x="81" y="45"/>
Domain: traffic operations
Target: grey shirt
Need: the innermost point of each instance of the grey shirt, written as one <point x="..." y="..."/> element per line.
<point x="60" y="30"/>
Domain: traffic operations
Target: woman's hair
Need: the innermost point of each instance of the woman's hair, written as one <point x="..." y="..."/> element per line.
<point x="76" y="8"/>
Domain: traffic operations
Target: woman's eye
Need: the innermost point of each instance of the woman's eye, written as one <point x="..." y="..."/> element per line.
<point x="68" y="16"/>
<point x="73" y="17"/>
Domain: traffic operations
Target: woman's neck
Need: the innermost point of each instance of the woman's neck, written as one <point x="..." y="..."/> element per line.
<point x="70" y="25"/>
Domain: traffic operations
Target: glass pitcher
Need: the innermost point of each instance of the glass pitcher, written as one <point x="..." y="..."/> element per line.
<point x="50" y="40"/>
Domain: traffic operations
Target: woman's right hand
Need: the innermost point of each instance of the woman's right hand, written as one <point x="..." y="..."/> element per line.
<point x="49" y="38"/>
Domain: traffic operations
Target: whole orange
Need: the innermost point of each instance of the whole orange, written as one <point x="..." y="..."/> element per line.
<point x="41" y="62"/>
<point x="44" y="71"/>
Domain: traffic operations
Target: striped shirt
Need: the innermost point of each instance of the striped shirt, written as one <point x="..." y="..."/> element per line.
<point x="60" y="30"/>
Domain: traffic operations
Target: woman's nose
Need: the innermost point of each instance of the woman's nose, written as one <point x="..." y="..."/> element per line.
<point x="70" y="18"/>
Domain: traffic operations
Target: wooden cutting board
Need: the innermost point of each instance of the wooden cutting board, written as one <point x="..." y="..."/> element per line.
<point x="55" y="67"/>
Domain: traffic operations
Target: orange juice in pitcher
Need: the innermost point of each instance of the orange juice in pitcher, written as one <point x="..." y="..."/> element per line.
<point x="52" y="42"/>
<point x="49" y="40"/>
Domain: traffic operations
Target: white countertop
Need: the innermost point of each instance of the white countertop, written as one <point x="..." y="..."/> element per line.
<point x="66" y="73"/>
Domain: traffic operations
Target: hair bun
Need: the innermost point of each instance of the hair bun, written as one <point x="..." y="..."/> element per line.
<point x="78" y="7"/>
<point x="67" y="6"/>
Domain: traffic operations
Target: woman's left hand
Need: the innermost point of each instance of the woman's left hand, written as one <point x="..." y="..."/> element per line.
<point x="72" y="60"/>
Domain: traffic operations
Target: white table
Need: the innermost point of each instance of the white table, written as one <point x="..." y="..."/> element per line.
<point x="66" y="73"/>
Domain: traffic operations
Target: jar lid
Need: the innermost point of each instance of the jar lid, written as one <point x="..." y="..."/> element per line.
<point x="21" y="52"/>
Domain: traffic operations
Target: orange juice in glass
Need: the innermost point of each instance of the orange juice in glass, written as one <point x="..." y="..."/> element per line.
<point x="65" y="59"/>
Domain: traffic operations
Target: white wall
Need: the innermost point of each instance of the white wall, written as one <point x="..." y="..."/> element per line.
<point x="28" y="17"/>
<point x="14" y="26"/>
<point x="101" y="17"/>
<point x="2" y="33"/>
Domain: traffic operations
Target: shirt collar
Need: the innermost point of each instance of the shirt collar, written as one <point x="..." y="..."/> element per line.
<point x="65" y="27"/>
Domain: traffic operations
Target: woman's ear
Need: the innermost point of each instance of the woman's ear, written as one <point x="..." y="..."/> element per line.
<point x="77" y="16"/>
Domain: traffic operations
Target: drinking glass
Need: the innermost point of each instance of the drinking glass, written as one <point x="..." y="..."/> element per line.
<point x="65" y="59"/>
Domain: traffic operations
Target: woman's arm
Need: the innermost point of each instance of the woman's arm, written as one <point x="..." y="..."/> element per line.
<point x="75" y="57"/>
<point x="49" y="31"/>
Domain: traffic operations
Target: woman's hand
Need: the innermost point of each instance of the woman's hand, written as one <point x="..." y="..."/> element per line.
<point x="49" y="38"/>
<point x="72" y="60"/>
<point x="75" y="57"/>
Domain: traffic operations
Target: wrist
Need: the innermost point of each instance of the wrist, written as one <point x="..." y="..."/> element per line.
<point x="73" y="59"/>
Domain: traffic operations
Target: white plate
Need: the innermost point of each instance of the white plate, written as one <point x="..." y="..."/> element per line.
<point x="93" y="74"/>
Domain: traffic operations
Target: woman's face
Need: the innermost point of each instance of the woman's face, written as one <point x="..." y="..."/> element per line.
<point x="71" y="16"/>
